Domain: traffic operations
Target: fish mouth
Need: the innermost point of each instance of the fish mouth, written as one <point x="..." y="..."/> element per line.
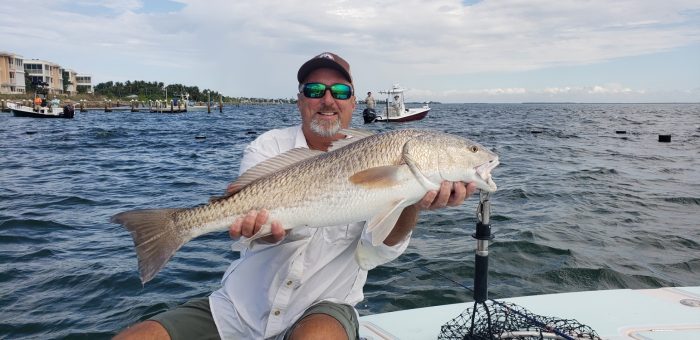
<point x="483" y="172"/>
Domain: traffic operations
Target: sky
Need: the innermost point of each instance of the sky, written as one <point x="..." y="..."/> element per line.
<point x="450" y="51"/>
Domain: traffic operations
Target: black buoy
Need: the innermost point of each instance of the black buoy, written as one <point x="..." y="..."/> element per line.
<point x="200" y="137"/>
<point x="665" y="138"/>
<point x="620" y="132"/>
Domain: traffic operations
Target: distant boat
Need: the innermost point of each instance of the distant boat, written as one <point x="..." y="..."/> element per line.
<point x="44" y="108"/>
<point x="396" y="110"/>
<point x="17" y="110"/>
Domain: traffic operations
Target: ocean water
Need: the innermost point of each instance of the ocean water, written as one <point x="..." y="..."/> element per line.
<point x="579" y="207"/>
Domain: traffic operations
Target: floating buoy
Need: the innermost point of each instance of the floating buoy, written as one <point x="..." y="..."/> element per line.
<point x="620" y="132"/>
<point x="30" y="132"/>
<point x="535" y="131"/>
<point x="200" y="137"/>
<point x="665" y="138"/>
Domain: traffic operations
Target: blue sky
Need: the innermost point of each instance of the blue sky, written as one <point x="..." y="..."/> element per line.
<point x="441" y="50"/>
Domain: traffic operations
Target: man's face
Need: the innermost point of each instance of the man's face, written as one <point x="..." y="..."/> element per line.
<point x="325" y="116"/>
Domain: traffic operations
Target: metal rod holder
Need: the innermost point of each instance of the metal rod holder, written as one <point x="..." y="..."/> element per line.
<point x="481" y="257"/>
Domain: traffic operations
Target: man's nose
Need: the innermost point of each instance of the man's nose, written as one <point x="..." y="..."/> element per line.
<point x="327" y="97"/>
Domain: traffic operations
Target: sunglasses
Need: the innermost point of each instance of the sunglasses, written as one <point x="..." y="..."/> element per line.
<point x="318" y="90"/>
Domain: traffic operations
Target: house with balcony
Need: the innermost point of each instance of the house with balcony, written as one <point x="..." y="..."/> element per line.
<point x="11" y="73"/>
<point x="84" y="83"/>
<point x="45" y="71"/>
<point x="70" y="81"/>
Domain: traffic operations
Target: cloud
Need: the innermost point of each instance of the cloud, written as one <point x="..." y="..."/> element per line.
<point x="242" y="46"/>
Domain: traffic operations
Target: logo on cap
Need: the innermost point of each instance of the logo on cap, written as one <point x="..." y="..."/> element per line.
<point x="325" y="55"/>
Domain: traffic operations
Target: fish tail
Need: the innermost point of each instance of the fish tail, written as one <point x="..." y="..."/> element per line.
<point x="156" y="237"/>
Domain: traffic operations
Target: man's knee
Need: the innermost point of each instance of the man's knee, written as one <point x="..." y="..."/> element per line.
<point x="318" y="326"/>
<point x="144" y="330"/>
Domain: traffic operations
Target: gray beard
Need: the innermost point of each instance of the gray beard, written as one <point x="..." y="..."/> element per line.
<point x="324" y="130"/>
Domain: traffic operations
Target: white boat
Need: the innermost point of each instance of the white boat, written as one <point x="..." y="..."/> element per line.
<point x="193" y="106"/>
<point x="658" y="314"/>
<point x="395" y="110"/>
<point x="43" y="108"/>
<point x="671" y="313"/>
<point x="49" y="111"/>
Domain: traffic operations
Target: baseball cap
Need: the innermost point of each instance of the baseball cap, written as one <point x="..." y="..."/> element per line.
<point x="325" y="60"/>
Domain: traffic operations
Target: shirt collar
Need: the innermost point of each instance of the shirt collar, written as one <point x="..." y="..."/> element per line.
<point x="300" y="140"/>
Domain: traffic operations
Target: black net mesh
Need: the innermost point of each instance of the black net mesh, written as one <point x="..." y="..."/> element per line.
<point x="499" y="320"/>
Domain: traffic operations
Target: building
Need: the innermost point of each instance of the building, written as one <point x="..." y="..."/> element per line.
<point x="70" y="82"/>
<point x="84" y="83"/>
<point x="45" y="71"/>
<point x="11" y="73"/>
<point x="15" y="72"/>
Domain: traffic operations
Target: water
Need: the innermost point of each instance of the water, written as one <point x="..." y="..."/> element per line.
<point x="579" y="207"/>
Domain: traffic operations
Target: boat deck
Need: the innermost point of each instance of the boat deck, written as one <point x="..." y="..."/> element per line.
<point x="659" y="314"/>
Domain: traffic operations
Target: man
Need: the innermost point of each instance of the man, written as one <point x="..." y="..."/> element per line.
<point x="300" y="284"/>
<point x="369" y="101"/>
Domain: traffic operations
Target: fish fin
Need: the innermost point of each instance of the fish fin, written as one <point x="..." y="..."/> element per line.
<point x="383" y="223"/>
<point x="377" y="177"/>
<point x="351" y="136"/>
<point x="156" y="237"/>
<point x="232" y="189"/>
<point x="241" y="245"/>
<point x="357" y="133"/>
<point x="273" y="165"/>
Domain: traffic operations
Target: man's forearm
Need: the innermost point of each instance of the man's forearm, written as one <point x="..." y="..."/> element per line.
<point x="404" y="225"/>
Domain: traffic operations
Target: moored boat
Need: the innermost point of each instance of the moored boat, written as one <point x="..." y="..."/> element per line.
<point x="395" y="110"/>
<point x="42" y="107"/>
<point x="67" y="111"/>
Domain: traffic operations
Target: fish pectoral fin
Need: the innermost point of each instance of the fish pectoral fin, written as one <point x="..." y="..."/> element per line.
<point x="377" y="177"/>
<point x="383" y="223"/>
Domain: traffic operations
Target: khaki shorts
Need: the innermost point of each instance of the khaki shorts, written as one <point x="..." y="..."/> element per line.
<point x="193" y="319"/>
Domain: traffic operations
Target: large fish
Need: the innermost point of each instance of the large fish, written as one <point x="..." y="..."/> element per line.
<point x="364" y="177"/>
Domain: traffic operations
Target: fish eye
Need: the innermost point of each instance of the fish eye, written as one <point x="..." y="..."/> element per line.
<point x="474" y="148"/>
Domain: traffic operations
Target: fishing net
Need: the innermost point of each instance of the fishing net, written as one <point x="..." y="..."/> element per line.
<point x="499" y="320"/>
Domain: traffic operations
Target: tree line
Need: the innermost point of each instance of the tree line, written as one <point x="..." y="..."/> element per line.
<point x="145" y="91"/>
<point x="154" y="90"/>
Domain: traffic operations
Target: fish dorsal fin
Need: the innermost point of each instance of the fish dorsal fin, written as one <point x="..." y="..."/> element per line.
<point x="272" y="165"/>
<point x="352" y="136"/>
<point x="275" y="164"/>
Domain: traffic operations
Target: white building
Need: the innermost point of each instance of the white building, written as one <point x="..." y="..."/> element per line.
<point x="84" y="82"/>
<point x="11" y="73"/>
<point x="70" y="80"/>
<point x="45" y="71"/>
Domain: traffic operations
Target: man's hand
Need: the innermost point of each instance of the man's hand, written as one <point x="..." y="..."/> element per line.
<point x="251" y="223"/>
<point x="450" y="194"/>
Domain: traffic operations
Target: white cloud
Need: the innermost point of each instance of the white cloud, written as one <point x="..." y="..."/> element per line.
<point x="242" y="46"/>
